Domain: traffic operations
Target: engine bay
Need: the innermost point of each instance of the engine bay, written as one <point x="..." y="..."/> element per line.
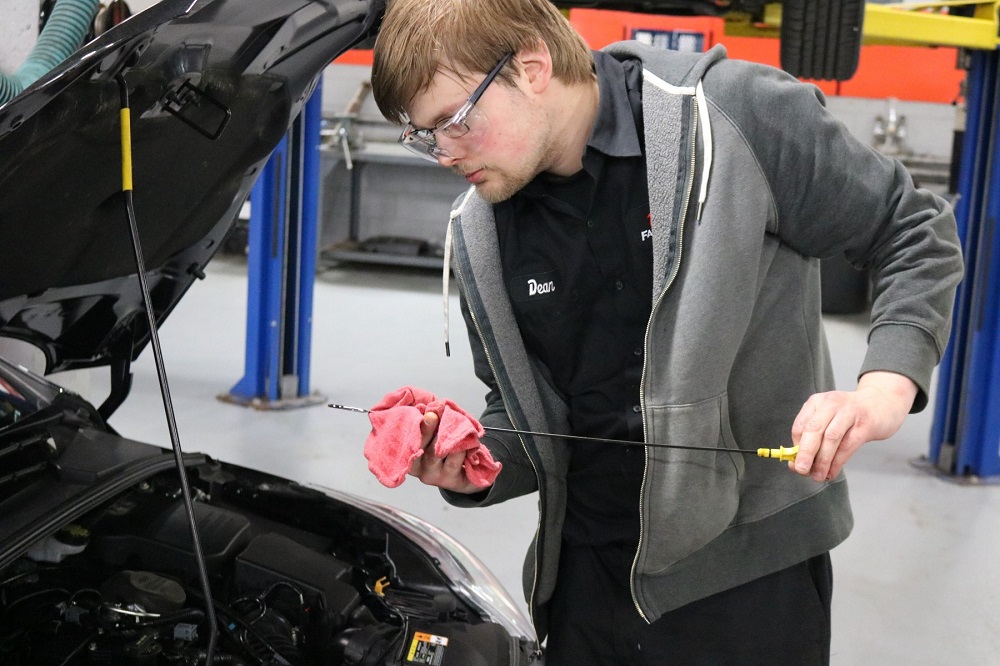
<point x="296" y="576"/>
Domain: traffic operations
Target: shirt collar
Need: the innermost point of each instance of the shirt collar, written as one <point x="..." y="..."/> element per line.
<point x="614" y="132"/>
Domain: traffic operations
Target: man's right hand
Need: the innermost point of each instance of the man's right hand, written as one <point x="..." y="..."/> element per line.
<point x="447" y="473"/>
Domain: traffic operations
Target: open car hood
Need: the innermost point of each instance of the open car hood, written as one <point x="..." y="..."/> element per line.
<point x="214" y="85"/>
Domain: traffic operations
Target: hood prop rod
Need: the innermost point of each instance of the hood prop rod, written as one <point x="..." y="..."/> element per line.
<point x="161" y="373"/>
<point x="781" y="453"/>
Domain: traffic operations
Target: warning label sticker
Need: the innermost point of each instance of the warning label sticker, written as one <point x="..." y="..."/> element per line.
<point x="427" y="649"/>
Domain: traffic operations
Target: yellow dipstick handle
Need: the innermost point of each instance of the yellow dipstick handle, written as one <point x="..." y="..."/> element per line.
<point x="781" y="453"/>
<point x="126" y="126"/>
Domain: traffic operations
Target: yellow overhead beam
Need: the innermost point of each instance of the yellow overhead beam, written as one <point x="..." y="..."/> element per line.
<point x="905" y="24"/>
<point x="910" y="23"/>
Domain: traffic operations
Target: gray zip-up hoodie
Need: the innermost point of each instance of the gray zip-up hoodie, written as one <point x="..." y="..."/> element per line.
<point x="750" y="180"/>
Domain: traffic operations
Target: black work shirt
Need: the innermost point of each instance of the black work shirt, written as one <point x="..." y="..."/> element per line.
<point x="577" y="263"/>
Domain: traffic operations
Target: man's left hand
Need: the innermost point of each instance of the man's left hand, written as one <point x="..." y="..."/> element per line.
<point x="832" y="426"/>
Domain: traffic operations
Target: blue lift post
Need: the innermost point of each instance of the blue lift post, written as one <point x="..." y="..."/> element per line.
<point x="284" y="213"/>
<point x="965" y="438"/>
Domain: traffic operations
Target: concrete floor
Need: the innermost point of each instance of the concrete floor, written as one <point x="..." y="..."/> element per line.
<point x="917" y="583"/>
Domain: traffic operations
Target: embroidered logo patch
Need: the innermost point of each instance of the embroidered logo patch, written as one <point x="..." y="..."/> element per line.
<point x="532" y="287"/>
<point x="639" y="223"/>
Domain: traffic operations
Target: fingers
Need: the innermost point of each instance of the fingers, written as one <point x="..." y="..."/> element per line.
<point x="828" y="432"/>
<point x="832" y="426"/>
<point x="447" y="472"/>
<point x="453" y="466"/>
<point x="425" y="465"/>
<point x="428" y="429"/>
<point x="848" y="447"/>
<point x="804" y="429"/>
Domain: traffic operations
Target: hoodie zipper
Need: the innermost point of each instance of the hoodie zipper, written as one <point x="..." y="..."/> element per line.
<point x="534" y="467"/>
<point x="659" y="299"/>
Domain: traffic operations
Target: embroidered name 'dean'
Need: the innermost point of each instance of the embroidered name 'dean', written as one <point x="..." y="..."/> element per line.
<point x="534" y="286"/>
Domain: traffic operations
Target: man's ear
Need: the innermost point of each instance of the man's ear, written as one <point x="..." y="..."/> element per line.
<point x="535" y="64"/>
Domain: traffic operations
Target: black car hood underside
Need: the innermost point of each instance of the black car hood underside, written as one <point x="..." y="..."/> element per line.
<point x="235" y="73"/>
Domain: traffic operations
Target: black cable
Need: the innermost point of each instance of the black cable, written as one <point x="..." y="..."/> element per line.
<point x="31" y="595"/>
<point x="161" y="373"/>
<point x="235" y="619"/>
<point x="25" y="574"/>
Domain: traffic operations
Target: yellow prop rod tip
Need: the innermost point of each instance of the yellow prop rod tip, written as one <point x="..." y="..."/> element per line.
<point x="781" y="453"/>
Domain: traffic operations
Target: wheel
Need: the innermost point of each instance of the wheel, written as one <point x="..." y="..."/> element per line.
<point x="821" y="39"/>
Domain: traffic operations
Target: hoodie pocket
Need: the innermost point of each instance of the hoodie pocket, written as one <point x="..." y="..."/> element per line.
<point x="692" y="495"/>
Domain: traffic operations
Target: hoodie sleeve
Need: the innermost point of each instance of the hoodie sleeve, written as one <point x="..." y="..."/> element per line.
<point x="517" y="476"/>
<point x="835" y="195"/>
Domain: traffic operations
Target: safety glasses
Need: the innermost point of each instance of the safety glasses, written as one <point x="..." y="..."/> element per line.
<point x="468" y="124"/>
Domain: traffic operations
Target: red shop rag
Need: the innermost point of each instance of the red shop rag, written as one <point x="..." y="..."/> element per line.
<point x="394" y="442"/>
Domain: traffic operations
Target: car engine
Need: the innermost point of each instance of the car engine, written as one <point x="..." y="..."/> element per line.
<point x="297" y="577"/>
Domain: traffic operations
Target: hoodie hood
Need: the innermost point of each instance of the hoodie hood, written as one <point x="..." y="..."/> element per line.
<point x="214" y="85"/>
<point x="680" y="75"/>
<point x="674" y="67"/>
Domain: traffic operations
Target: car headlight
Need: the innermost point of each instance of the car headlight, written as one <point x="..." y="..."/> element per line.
<point x="472" y="580"/>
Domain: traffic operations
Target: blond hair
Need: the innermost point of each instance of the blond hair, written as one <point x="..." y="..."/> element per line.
<point x="417" y="37"/>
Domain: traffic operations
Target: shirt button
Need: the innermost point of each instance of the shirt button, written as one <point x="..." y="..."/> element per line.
<point x="590" y="224"/>
<point x="619" y="285"/>
<point x="636" y="408"/>
<point x="637" y="351"/>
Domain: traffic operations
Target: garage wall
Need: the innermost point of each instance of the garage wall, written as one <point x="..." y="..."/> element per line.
<point x="138" y="5"/>
<point x="18" y="32"/>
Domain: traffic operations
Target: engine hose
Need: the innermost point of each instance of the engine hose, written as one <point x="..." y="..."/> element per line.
<point x="61" y="37"/>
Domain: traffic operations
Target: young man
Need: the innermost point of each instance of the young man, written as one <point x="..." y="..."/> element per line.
<point x="637" y="259"/>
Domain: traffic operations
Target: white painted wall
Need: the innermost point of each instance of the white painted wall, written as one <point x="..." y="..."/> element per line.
<point x="18" y="32"/>
<point x="19" y="29"/>
<point x="138" y="5"/>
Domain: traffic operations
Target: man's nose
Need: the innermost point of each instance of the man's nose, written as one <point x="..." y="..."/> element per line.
<point x="450" y="150"/>
<point x="445" y="160"/>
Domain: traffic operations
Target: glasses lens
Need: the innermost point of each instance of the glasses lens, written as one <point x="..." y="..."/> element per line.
<point x="420" y="142"/>
<point x="470" y="132"/>
<point x="467" y="125"/>
<point x="464" y="132"/>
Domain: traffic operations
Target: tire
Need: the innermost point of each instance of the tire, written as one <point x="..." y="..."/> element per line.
<point x="821" y="39"/>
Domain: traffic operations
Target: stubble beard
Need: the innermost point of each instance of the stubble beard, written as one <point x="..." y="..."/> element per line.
<point x="502" y="185"/>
